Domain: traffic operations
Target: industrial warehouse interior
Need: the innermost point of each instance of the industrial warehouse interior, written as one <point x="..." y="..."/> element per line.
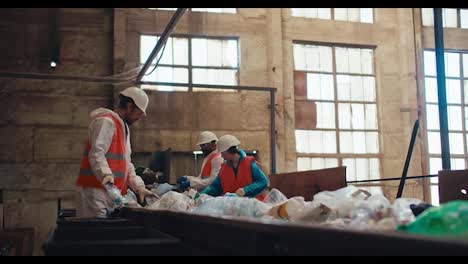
<point x="233" y="131"/>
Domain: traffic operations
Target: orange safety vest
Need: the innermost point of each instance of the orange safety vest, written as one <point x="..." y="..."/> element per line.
<point x="231" y="183"/>
<point x="115" y="157"/>
<point x="206" y="170"/>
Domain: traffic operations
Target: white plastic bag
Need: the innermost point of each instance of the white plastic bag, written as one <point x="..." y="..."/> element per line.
<point x="202" y="198"/>
<point x="173" y="201"/>
<point x="161" y="189"/>
<point x="290" y="209"/>
<point x="233" y="206"/>
<point x="402" y="212"/>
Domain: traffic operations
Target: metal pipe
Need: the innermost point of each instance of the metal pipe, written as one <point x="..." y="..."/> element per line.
<point x="248" y="88"/>
<point x="164" y="36"/>
<point x="272" y="132"/>
<point x="54" y="36"/>
<point x="441" y="89"/>
<point x="43" y="76"/>
<point x="408" y="159"/>
<point x="210" y="86"/>
<point x="396" y="179"/>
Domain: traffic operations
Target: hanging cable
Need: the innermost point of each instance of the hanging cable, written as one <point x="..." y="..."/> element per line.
<point x="131" y="72"/>
<point x="162" y="51"/>
<point x="157" y="62"/>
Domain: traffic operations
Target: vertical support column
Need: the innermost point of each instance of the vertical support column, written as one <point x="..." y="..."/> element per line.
<point x="274" y="29"/>
<point x="272" y="132"/>
<point x="119" y="37"/>
<point x="441" y="89"/>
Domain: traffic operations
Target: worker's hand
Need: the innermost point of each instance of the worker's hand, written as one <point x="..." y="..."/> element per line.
<point x="182" y="179"/>
<point x="184" y="185"/>
<point x="108" y="179"/>
<point x="143" y="193"/>
<point x="240" y="192"/>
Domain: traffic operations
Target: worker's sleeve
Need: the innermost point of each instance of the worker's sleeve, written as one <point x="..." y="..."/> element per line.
<point x="101" y="132"/>
<point x="216" y="166"/>
<point x="198" y="183"/>
<point x="215" y="188"/>
<point x="134" y="181"/>
<point x="259" y="182"/>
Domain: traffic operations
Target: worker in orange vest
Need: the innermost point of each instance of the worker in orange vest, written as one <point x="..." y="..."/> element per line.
<point x="210" y="166"/>
<point x="106" y="159"/>
<point x="239" y="174"/>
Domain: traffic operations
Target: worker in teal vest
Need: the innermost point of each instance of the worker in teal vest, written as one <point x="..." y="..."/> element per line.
<point x="239" y="174"/>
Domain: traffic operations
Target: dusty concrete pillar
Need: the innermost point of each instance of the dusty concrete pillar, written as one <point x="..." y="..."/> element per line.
<point x="275" y="77"/>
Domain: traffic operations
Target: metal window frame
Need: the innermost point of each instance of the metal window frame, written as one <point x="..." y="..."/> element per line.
<point x="338" y="155"/>
<point x="458" y="19"/>
<point x="190" y="67"/>
<point x="462" y="105"/>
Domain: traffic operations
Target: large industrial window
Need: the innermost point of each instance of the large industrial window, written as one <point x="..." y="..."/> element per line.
<point x="456" y="71"/>
<point x="336" y="109"/>
<point x="192" y="60"/>
<point x="451" y="17"/>
<point x="363" y="15"/>
<point x="208" y="10"/>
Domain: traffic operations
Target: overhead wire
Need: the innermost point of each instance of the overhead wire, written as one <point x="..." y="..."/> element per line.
<point x="162" y="51"/>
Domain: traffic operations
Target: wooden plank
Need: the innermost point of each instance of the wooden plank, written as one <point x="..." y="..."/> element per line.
<point x="309" y="183"/>
<point x="453" y="185"/>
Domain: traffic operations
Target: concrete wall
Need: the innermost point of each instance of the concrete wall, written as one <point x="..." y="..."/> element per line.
<point x="45" y="122"/>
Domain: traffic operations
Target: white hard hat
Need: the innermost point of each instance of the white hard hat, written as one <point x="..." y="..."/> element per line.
<point x="206" y="137"/>
<point x="227" y="141"/>
<point x="139" y="97"/>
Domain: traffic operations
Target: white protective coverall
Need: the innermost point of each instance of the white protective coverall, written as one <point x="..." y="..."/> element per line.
<point x="93" y="202"/>
<point x="197" y="182"/>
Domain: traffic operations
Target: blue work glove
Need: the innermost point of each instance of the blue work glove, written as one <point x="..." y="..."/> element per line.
<point x="182" y="179"/>
<point x="184" y="185"/>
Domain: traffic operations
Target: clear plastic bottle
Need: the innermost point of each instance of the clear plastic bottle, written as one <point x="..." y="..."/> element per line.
<point x="114" y="194"/>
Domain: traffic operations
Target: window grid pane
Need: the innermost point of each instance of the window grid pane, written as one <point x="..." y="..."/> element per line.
<point x="464" y="18"/>
<point x="344" y="95"/>
<point x="219" y="66"/>
<point x="457" y="109"/>
<point x="362" y="15"/>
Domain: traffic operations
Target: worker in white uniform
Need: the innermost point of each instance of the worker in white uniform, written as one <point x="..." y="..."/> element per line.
<point x="210" y="166"/>
<point x="106" y="160"/>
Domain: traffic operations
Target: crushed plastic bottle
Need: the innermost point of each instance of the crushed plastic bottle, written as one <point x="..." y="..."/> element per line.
<point x="130" y="199"/>
<point x="275" y="197"/>
<point x="115" y="194"/>
<point x="233" y="206"/>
